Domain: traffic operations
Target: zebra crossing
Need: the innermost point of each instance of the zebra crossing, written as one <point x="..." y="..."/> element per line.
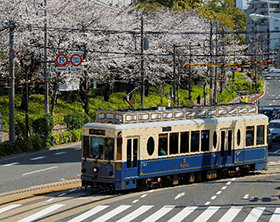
<point x="151" y="213"/>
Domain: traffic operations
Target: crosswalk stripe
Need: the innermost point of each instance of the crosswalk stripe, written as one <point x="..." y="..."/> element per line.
<point x="207" y="214"/>
<point x="89" y="213"/>
<point x="41" y="213"/>
<point x="254" y="214"/>
<point x="135" y="213"/>
<point x="160" y="213"/>
<point x="275" y="216"/>
<point x="10" y="207"/>
<point x="230" y="214"/>
<point x="112" y="213"/>
<point x="182" y="214"/>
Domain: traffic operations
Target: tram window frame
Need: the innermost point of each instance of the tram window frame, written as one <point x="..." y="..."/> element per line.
<point x="229" y="142"/>
<point x="205" y="142"/>
<point x="238" y="137"/>
<point x="250" y="132"/>
<point x="195" y="141"/>
<point x="119" y="148"/>
<point x="109" y="148"/>
<point x="128" y="153"/>
<point x="151" y="146"/>
<point x="215" y="139"/>
<point x="184" y="142"/>
<point x="173" y="143"/>
<point x="162" y="143"/>
<point x="223" y="142"/>
<point x="86" y="145"/>
<point x="260" y="140"/>
<point x="135" y="152"/>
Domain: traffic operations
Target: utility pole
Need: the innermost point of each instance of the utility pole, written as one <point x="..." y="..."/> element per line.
<point x="216" y="68"/>
<point x="189" y="77"/>
<point x="174" y="74"/>
<point x="142" y="63"/>
<point x="12" y="27"/>
<point x="46" y="60"/>
<point x="211" y="61"/>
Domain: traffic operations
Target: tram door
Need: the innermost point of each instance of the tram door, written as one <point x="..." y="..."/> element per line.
<point x="226" y="146"/>
<point x="132" y="150"/>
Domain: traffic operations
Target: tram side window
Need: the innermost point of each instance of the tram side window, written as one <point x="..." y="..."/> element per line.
<point x="119" y="148"/>
<point x="223" y="141"/>
<point x="205" y="140"/>
<point x="109" y="149"/>
<point x="173" y="143"/>
<point x="128" y="154"/>
<point x="229" y="142"/>
<point x="96" y="148"/>
<point x="85" y="146"/>
<point x="249" y="135"/>
<point x="195" y="141"/>
<point x="162" y="144"/>
<point x="260" y="135"/>
<point x="184" y="148"/>
<point x="135" y="152"/>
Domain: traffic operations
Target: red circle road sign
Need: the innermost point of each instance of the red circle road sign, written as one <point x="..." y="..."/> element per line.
<point x="61" y="60"/>
<point x="76" y="60"/>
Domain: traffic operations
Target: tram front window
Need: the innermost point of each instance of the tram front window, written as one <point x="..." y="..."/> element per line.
<point x="102" y="148"/>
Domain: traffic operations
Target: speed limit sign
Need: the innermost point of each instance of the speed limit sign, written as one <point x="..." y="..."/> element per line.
<point x="76" y="60"/>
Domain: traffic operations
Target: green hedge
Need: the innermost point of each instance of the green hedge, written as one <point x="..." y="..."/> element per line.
<point x="66" y="137"/>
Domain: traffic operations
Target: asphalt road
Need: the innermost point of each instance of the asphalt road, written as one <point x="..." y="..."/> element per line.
<point x="48" y="166"/>
<point x="272" y="93"/>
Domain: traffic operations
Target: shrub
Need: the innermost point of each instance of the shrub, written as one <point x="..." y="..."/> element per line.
<point x="42" y="127"/>
<point x="37" y="142"/>
<point x="75" y="120"/>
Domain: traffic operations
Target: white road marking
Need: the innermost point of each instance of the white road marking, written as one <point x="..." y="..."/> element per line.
<point x="160" y="213"/>
<point x="207" y="214"/>
<point x="135" y="213"/>
<point x="254" y="214"/>
<point x="144" y="195"/>
<point x="49" y="200"/>
<point x="42" y="213"/>
<point x="11" y="164"/>
<point x="228" y="183"/>
<point x="230" y="214"/>
<point x="207" y="203"/>
<point x="246" y="197"/>
<point x="88" y="214"/>
<point x="224" y="187"/>
<point x="183" y="214"/>
<point x="135" y="201"/>
<point x="213" y="198"/>
<point x="112" y="213"/>
<point x="59" y="153"/>
<point x="10" y="207"/>
<point x="38" y="158"/>
<point x="233" y="179"/>
<point x="270" y="104"/>
<point x="273" y="101"/>
<point x="38" y="171"/>
<point x="179" y="195"/>
<point x="275" y="216"/>
<point x="150" y="191"/>
<point x="219" y="192"/>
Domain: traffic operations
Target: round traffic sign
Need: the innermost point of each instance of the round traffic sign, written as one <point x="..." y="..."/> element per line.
<point x="61" y="60"/>
<point x="76" y="60"/>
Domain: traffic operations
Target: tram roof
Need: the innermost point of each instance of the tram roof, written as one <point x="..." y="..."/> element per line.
<point x="173" y="122"/>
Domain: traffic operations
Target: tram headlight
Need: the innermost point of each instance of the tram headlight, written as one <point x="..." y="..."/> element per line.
<point x="95" y="169"/>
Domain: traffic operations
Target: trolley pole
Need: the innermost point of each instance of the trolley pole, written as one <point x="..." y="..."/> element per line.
<point x="11" y="85"/>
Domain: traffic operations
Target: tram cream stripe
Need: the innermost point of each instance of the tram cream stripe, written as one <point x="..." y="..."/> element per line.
<point x="112" y="213"/>
<point x="10" y="207"/>
<point x="231" y="214"/>
<point x="207" y="214"/>
<point x="89" y="213"/>
<point x="275" y="216"/>
<point x="160" y="213"/>
<point x="254" y="214"/>
<point x="182" y="214"/>
<point x="135" y="213"/>
<point x="41" y="213"/>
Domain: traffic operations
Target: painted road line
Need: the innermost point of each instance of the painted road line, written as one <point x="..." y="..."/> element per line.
<point x="224" y="187"/>
<point x="207" y="203"/>
<point x="213" y="198"/>
<point x="112" y="213"/>
<point x="160" y="213"/>
<point x="135" y="213"/>
<point x="183" y="214"/>
<point x="246" y="197"/>
<point x="89" y="213"/>
<point x="135" y="201"/>
<point x="275" y="216"/>
<point x="207" y="214"/>
<point x="38" y="171"/>
<point x="219" y="192"/>
<point x="11" y="164"/>
<point x="59" y="153"/>
<point x="233" y="179"/>
<point x="38" y="158"/>
<point x="254" y="214"/>
<point x="42" y="213"/>
<point x="228" y="183"/>
<point x="144" y="195"/>
<point x="10" y="207"/>
<point x="231" y="214"/>
<point x="179" y="195"/>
